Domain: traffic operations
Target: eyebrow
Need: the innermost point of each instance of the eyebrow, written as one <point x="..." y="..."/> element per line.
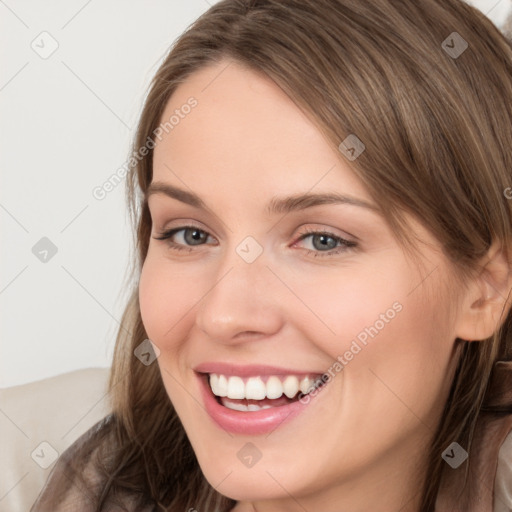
<point x="276" y="205"/>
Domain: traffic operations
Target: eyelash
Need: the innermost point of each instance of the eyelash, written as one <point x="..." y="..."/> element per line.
<point x="345" y="244"/>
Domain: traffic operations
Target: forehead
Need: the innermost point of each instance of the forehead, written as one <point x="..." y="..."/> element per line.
<point x="245" y="128"/>
<point x="238" y="111"/>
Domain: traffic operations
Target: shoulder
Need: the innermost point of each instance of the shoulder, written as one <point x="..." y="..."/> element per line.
<point x="84" y="451"/>
<point x="75" y="481"/>
<point x="503" y="481"/>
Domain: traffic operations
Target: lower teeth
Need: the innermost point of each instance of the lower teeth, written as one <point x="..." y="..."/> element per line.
<point x="238" y="406"/>
<point x="255" y="405"/>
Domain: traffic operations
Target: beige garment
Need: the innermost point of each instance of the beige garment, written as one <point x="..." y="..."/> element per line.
<point x="74" y="483"/>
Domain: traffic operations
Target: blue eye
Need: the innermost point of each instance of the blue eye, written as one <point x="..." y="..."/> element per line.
<point x="334" y="243"/>
<point x="323" y="238"/>
<point x="198" y="235"/>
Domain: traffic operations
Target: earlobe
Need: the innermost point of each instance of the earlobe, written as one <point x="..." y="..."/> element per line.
<point x="486" y="301"/>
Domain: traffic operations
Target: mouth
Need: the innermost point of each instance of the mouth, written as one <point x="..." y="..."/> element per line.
<point x="256" y="404"/>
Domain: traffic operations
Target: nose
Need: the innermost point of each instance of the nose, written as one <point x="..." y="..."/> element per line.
<point x="244" y="302"/>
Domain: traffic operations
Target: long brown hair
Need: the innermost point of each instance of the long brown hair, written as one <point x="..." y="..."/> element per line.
<point x="437" y="130"/>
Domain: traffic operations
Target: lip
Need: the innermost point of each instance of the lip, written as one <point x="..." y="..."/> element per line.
<point x="249" y="370"/>
<point x="248" y="422"/>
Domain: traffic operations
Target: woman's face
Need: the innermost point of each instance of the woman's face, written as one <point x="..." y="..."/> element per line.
<point x="262" y="293"/>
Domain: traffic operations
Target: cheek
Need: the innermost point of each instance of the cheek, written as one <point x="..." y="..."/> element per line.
<point x="380" y="320"/>
<point x="402" y="369"/>
<point x="165" y="297"/>
<point x="340" y="306"/>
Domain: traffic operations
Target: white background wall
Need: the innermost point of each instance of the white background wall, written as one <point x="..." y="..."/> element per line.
<point x="66" y="124"/>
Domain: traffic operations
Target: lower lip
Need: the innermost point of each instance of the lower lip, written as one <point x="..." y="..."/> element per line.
<point x="250" y="422"/>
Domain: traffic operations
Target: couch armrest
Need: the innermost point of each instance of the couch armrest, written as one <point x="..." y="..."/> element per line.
<point x="38" y="421"/>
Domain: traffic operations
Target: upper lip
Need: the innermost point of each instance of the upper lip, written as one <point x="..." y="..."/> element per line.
<point x="224" y="368"/>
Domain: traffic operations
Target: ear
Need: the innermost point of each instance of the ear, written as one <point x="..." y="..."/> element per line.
<point x="486" y="302"/>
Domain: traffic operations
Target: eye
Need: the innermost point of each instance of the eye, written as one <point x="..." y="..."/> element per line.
<point x="192" y="235"/>
<point x="324" y="240"/>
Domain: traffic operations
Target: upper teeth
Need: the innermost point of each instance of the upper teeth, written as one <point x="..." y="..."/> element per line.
<point x="254" y="388"/>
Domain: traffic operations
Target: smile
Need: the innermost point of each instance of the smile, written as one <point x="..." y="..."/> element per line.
<point x="256" y="404"/>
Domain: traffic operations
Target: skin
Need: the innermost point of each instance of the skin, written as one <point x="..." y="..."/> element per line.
<point x="363" y="439"/>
